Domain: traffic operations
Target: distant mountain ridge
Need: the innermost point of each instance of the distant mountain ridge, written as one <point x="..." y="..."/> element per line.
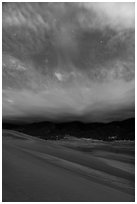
<point x="118" y="130"/>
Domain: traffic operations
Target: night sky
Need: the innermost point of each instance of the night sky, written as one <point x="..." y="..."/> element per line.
<point x="68" y="61"/>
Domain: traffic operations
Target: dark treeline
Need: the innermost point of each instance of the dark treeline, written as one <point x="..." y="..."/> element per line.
<point x="121" y="130"/>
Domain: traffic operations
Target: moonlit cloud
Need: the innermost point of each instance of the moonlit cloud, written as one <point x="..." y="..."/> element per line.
<point x="68" y="60"/>
<point x="117" y="16"/>
<point x="59" y="76"/>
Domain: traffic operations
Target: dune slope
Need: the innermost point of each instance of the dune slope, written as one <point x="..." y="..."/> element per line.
<point x="35" y="170"/>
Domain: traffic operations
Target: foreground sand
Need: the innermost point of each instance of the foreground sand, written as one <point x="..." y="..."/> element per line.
<point x="67" y="170"/>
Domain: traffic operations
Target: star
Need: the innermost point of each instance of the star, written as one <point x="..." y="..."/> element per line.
<point x="101" y="41"/>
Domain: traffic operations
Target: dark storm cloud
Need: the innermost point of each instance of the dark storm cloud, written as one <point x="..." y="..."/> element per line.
<point x="68" y="59"/>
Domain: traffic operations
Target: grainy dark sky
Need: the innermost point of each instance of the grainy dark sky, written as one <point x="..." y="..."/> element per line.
<point x="66" y="61"/>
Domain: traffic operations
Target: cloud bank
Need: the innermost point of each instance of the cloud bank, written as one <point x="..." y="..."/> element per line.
<point x="68" y="61"/>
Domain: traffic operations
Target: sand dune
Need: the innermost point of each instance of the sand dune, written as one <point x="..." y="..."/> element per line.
<point x="37" y="170"/>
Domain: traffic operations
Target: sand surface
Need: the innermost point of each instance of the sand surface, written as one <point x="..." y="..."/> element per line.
<point x="68" y="170"/>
